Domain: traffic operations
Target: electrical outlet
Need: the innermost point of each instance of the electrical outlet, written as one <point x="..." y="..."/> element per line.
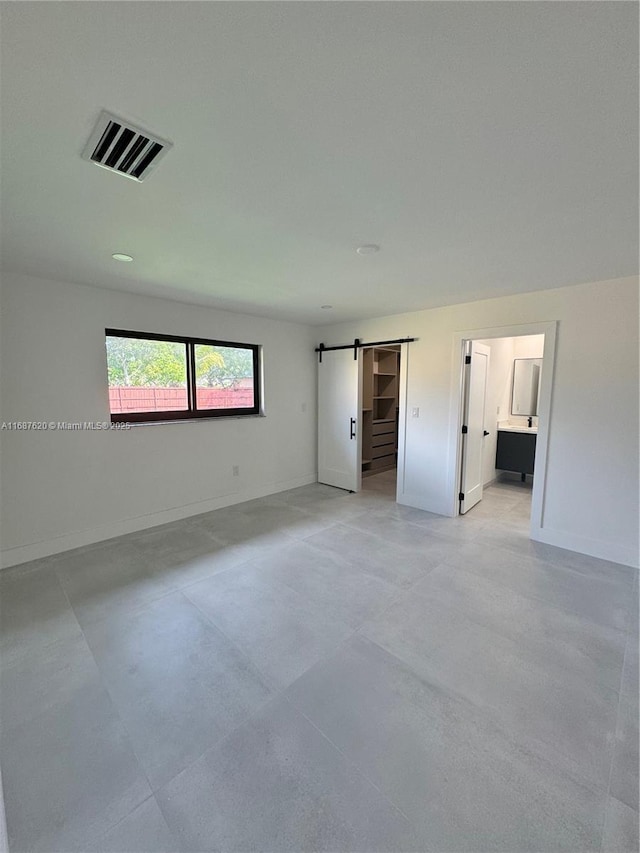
<point x="236" y="470"/>
<point x="304" y="407"/>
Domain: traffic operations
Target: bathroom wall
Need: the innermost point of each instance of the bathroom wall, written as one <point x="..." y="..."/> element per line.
<point x="528" y="346"/>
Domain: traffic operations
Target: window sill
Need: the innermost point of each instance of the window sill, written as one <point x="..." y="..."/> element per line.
<point x="192" y="420"/>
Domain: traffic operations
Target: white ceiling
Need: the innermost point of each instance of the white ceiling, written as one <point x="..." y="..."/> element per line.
<point x="489" y="148"/>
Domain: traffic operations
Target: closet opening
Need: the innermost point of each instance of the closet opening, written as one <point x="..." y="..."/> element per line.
<point x="380" y="417"/>
<point x="361" y="414"/>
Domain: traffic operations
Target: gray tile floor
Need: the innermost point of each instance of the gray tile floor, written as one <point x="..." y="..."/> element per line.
<point x="322" y="671"/>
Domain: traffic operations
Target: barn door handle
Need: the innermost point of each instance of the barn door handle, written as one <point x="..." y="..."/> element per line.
<point x="352" y="431"/>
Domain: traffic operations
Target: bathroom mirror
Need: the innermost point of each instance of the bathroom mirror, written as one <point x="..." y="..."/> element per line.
<point x="526" y="386"/>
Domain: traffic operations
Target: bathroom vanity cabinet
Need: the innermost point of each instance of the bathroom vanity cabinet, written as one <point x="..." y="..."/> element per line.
<point x="516" y="450"/>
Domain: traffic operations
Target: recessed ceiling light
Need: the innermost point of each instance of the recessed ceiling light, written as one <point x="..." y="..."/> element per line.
<point x="368" y="249"/>
<point x="120" y="257"/>
<point x="326" y="306"/>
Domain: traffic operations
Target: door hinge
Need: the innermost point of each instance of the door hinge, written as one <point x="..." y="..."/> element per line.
<point x="461" y="496"/>
<point x="465" y="429"/>
<point x="467" y="359"/>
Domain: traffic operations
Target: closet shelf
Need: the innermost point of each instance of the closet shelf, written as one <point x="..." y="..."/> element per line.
<point x="385" y="398"/>
<point x="385" y="421"/>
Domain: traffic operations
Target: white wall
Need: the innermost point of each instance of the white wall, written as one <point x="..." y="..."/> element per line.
<point x="528" y="346"/>
<point x="64" y="489"/>
<point x="591" y="492"/>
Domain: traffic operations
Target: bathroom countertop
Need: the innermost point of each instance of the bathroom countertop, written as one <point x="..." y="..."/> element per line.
<point x="505" y="426"/>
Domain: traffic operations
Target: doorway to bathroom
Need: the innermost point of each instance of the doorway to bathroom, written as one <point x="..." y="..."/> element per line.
<point x="505" y="393"/>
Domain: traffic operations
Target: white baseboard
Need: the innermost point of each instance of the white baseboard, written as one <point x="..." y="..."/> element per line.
<point x="37" y="550"/>
<point x="610" y="551"/>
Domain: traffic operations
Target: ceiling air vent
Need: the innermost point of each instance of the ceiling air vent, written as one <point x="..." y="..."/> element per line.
<point x="122" y="147"/>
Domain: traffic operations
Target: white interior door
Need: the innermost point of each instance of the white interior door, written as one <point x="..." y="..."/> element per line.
<point x="473" y="440"/>
<point x="339" y="441"/>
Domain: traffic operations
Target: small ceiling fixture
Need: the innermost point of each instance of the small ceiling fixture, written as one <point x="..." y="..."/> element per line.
<point x="368" y="249"/>
<point x="326" y="306"/>
<point x="118" y="256"/>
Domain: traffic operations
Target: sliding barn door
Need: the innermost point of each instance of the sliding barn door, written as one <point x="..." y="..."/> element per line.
<point x="339" y="419"/>
<point x="473" y="439"/>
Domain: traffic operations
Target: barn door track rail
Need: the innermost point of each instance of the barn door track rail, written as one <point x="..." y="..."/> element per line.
<point x="358" y="344"/>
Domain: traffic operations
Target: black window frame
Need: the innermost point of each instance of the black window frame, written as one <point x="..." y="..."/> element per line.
<point x="192" y="412"/>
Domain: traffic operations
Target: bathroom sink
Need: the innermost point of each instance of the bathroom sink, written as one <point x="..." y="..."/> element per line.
<point x="517" y="428"/>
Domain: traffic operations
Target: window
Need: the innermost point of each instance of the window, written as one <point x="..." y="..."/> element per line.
<point x="166" y="378"/>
